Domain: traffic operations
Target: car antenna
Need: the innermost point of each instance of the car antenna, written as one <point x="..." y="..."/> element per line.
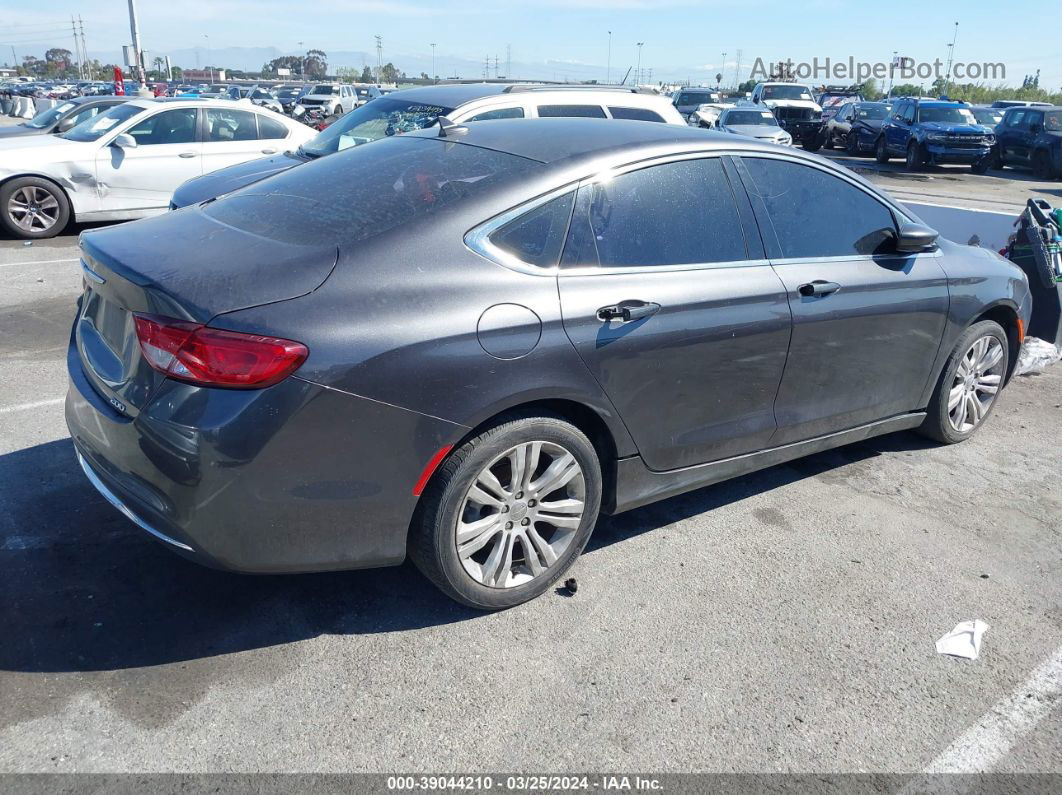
<point x="447" y="128"/>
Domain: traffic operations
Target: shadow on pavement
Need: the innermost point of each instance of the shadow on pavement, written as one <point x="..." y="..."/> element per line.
<point x="82" y="589"/>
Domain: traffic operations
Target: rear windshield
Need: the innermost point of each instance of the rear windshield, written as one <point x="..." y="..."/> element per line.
<point x="380" y="118"/>
<point x="366" y="191"/>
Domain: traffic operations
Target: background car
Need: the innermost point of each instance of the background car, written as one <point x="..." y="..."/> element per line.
<point x="855" y="126"/>
<point x="686" y="100"/>
<point x="935" y="132"/>
<point x="796" y="110"/>
<point x="131" y="157"/>
<point x="61" y="117"/>
<point x="330" y="98"/>
<point x="417" y="108"/>
<point x="987" y="116"/>
<point x="1030" y="137"/>
<point x="753" y="122"/>
<point x="460" y="353"/>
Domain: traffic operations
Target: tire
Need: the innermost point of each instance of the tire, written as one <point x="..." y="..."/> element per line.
<point x="981" y="166"/>
<point x="915" y="159"/>
<point x="812" y="144"/>
<point x="479" y="576"/>
<point x="851" y="143"/>
<point x="881" y="152"/>
<point x="52" y="213"/>
<point x="997" y="159"/>
<point x="827" y="142"/>
<point x="1041" y="165"/>
<point x="939" y="423"/>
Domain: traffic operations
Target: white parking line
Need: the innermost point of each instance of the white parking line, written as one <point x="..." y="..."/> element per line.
<point x="38" y="262"/>
<point x="34" y="405"/>
<point x="992" y="737"/>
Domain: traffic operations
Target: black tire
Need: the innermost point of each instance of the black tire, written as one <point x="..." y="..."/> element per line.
<point x="981" y="166"/>
<point x="432" y="541"/>
<point x="937" y="424"/>
<point x="851" y="143"/>
<point x="997" y="159"/>
<point x="813" y="144"/>
<point x="40" y="188"/>
<point x="827" y="142"/>
<point x="881" y="152"/>
<point x="915" y="160"/>
<point x="1041" y="165"/>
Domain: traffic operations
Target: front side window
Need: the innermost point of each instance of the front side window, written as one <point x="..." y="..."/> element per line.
<point x="175" y="126"/>
<point x="679" y="213"/>
<point x="816" y="214"/>
<point x="635" y="114"/>
<point x="230" y="125"/>
<point x="536" y="237"/>
<point x="499" y="113"/>
<point x="571" y="111"/>
<point x="1016" y="118"/>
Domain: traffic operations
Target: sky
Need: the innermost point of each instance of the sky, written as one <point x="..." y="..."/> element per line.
<point x="683" y="40"/>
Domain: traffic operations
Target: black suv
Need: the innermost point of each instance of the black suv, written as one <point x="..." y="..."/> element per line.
<point x="1031" y="138"/>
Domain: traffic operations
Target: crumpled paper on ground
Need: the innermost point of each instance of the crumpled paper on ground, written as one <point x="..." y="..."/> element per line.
<point x="964" y="640"/>
<point x="1035" y="355"/>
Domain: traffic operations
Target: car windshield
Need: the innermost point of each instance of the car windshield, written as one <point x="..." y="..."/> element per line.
<point x="1053" y="121"/>
<point x="871" y="112"/>
<point x="288" y="93"/>
<point x="49" y="117"/>
<point x="946" y="115"/>
<point x="261" y="94"/>
<point x="786" y="92"/>
<point x="695" y="98"/>
<point x="987" y="116"/>
<point x="750" y="117"/>
<point x="325" y="91"/>
<point x="91" y="129"/>
<point x="374" y="120"/>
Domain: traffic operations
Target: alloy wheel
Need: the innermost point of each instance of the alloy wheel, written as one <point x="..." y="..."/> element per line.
<point x="520" y="514"/>
<point x="33" y="208"/>
<point x="976" y="384"/>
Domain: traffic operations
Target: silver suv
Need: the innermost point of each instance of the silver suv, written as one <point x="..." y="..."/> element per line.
<point x="330" y="98"/>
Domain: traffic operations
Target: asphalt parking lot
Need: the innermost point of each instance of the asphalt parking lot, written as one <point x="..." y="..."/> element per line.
<point x="783" y="621"/>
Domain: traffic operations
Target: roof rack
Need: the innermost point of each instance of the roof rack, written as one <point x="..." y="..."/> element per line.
<point x="519" y="88"/>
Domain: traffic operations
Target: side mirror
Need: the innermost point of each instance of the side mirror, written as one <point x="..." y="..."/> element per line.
<point x="124" y="141"/>
<point x="913" y="238"/>
<point x="65" y="125"/>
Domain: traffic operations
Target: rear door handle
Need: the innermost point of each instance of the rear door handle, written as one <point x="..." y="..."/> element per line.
<point x="186" y="154"/>
<point x="627" y="311"/>
<point x="818" y="288"/>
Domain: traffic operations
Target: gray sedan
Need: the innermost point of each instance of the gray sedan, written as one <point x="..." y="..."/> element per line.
<point x="462" y="344"/>
<point x="62" y="117"/>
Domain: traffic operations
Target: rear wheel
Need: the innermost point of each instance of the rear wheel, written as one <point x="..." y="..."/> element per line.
<point x="33" y="208"/>
<point x="1042" y="165"/>
<point x="969" y="385"/>
<point x="851" y="143"/>
<point x="881" y="152"/>
<point x="827" y="142"/>
<point x="507" y="513"/>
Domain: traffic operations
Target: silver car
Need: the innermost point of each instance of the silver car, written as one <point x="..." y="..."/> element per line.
<point x="754" y="123"/>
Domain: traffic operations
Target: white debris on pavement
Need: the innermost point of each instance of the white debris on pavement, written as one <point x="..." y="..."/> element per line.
<point x="964" y="640"/>
<point x="1035" y="355"/>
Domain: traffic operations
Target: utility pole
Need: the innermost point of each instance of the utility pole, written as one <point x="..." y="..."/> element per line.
<point x="77" y="50"/>
<point x="84" y="51"/>
<point x="379" y="58"/>
<point x="638" y="72"/>
<point x="892" y="73"/>
<point x="737" y="70"/>
<point x="951" y="57"/>
<point x="210" y="66"/>
<point x="608" y="69"/>
<point x="722" y="67"/>
<point x="508" y="62"/>
<point x="134" y="29"/>
<point x="434" y="74"/>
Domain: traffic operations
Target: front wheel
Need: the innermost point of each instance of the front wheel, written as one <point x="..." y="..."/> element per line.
<point x="828" y="141"/>
<point x="915" y="159"/>
<point x="1041" y="165"/>
<point x="33" y="208"/>
<point x="969" y="385"/>
<point x="508" y="512"/>
<point x="881" y="151"/>
<point x="851" y="143"/>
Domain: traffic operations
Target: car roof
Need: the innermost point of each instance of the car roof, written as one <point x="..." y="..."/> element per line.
<point x="566" y="139"/>
<point x="105" y="98"/>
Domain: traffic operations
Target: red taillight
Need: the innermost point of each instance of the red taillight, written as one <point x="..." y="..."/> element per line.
<point x="211" y="357"/>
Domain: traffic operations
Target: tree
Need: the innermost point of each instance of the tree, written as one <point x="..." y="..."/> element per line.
<point x="366" y="76"/>
<point x="160" y="64"/>
<point x="58" y="59"/>
<point x="315" y="63"/>
<point x="292" y="62"/>
<point x="34" y="65"/>
<point x="388" y="74"/>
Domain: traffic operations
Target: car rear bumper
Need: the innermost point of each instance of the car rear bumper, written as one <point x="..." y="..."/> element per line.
<point x="295" y="477"/>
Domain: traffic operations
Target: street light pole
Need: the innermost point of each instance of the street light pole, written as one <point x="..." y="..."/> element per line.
<point x="134" y="29"/>
<point x="638" y="72"/>
<point x="434" y="74"/>
<point x="210" y="66"/>
<point x="951" y="57"/>
<point x="608" y="69"/>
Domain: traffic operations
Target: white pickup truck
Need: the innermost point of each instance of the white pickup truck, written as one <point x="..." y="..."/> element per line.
<point x="796" y="110"/>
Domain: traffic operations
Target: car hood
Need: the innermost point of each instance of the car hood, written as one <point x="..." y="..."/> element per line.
<point x="26" y="151"/>
<point x="226" y="180"/>
<point x="756" y="130"/>
<point x="791" y="103"/>
<point x="17" y="131"/>
<point x="968" y="129"/>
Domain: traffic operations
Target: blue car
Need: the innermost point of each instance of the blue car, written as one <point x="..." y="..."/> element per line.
<point x="933" y="132"/>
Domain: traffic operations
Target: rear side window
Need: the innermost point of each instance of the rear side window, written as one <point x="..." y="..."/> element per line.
<point x="365" y="191"/>
<point x="636" y="114"/>
<point x="271" y="128"/>
<point x="679" y="213"/>
<point x="816" y="214"/>
<point x="499" y="113"/>
<point x="569" y="111"/>
<point x="536" y="237"/>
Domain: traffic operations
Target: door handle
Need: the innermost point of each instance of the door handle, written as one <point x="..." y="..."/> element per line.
<point x="627" y="311"/>
<point x="818" y="288"/>
<point x="269" y="151"/>
<point x="186" y="154"/>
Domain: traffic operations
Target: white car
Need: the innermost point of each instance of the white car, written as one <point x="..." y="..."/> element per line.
<point x="330" y="98"/>
<point x="125" y="163"/>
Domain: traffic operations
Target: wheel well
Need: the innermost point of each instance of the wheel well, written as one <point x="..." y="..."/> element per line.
<point x="1008" y="319"/>
<point x="61" y="189"/>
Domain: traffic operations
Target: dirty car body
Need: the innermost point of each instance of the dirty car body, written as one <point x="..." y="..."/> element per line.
<point x="437" y="283"/>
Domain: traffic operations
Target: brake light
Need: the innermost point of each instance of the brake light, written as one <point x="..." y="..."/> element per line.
<point x="207" y="356"/>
